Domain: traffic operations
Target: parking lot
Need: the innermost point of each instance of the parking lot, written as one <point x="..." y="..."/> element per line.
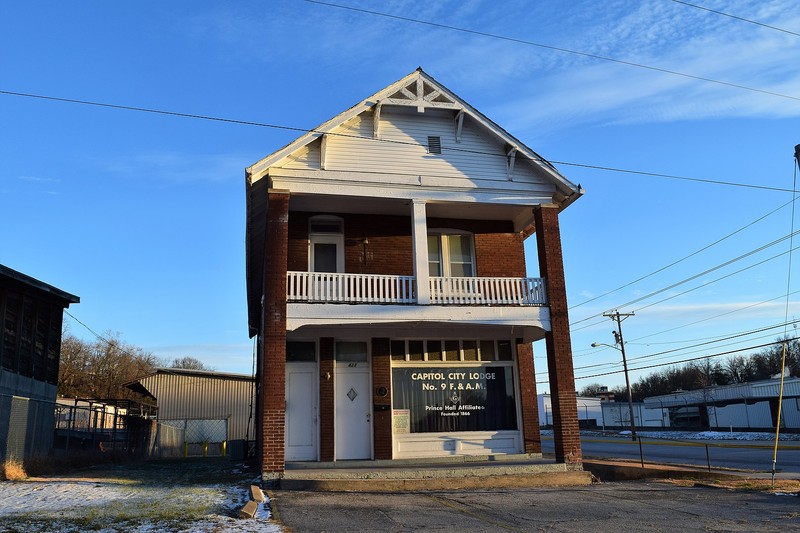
<point x="605" y="507"/>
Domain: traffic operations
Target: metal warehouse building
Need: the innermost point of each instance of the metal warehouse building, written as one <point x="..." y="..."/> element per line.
<point x="208" y="409"/>
<point x="742" y="406"/>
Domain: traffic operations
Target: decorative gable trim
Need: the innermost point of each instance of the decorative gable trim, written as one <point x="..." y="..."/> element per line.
<point x="422" y="91"/>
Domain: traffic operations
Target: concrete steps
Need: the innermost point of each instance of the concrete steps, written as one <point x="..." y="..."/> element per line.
<point x="442" y="473"/>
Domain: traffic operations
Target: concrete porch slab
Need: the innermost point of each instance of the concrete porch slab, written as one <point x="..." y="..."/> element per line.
<point x="444" y="473"/>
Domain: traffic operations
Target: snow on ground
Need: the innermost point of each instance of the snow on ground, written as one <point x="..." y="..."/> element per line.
<point x="157" y="496"/>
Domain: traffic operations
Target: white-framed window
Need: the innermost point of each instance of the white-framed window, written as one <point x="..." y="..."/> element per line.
<point x="325" y="244"/>
<point x="451" y="254"/>
<point x="451" y="350"/>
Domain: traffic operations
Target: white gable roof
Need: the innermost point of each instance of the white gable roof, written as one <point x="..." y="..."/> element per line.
<point x="419" y="91"/>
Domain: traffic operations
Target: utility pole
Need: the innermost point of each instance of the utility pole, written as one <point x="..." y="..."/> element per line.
<point x="618" y="318"/>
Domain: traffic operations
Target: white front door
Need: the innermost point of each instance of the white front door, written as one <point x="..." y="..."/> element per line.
<point x="301" y="411"/>
<point x="353" y="402"/>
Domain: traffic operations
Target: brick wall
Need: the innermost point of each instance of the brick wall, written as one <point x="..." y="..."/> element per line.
<point x="382" y="418"/>
<point x="273" y="376"/>
<point x="528" y="400"/>
<point x="326" y="394"/>
<point x="499" y="255"/>
<point x="498" y="250"/>
<point x="566" y="437"/>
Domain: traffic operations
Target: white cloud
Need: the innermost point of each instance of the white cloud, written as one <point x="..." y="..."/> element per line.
<point x="39" y="179"/>
<point x="670" y="37"/>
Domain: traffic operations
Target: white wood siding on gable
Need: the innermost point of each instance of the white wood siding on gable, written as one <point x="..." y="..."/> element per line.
<point x="403" y="149"/>
<point x="306" y="158"/>
<point x="408" y="153"/>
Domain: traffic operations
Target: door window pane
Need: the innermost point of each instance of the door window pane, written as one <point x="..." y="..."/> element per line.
<point x="301" y="351"/>
<point x="324" y="257"/>
<point x="351" y="352"/>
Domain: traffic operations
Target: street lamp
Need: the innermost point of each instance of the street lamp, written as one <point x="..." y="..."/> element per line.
<point x="620" y="345"/>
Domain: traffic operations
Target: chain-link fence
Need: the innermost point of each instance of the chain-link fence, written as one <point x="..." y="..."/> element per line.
<point x="34" y="428"/>
<point x="31" y="428"/>
<point x="202" y="437"/>
<point x="26" y="427"/>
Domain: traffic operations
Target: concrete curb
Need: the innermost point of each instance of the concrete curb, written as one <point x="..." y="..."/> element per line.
<point x="545" y="479"/>
<point x="624" y="471"/>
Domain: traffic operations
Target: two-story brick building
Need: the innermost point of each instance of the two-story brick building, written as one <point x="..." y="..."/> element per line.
<point x="388" y="289"/>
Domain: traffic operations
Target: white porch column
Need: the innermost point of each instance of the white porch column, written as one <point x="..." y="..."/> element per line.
<point x="419" y="235"/>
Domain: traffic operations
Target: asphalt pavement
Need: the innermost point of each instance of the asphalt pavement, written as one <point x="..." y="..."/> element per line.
<point x="604" y="507"/>
<point x="753" y="456"/>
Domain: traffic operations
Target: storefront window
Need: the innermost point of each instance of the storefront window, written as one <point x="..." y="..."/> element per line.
<point x="469" y="385"/>
<point x="455" y="398"/>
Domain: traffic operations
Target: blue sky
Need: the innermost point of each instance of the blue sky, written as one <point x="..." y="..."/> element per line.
<point x="142" y="215"/>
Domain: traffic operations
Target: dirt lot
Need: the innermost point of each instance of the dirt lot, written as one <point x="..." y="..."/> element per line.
<point x="188" y="495"/>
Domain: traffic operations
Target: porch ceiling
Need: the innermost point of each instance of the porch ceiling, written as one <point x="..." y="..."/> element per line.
<point x="418" y="330"/>
<point x="402" y="207"/>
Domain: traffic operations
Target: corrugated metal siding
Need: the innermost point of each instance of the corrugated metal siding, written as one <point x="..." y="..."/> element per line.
<point x="732" y="393"/>
<point x="408" y="155"/>
<point x="183" y="397"/>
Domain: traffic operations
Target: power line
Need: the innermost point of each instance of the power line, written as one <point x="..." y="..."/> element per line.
<point x="383" y="140"/>
<point x="554" y="48"/>
<point x="714" y="340"/>
<point x="729" y="352"/>
<point x="703" y="273"/>
<point x="718" y="279"/>
<point x="671" y="176"/>
<point x="704" y="248"/>
<point x="703" y="339"/>
<point x="749" y="21"/>
<point x="109" y="342"/>
<point x="674" y="350"/>
<point x="715" y="316"/>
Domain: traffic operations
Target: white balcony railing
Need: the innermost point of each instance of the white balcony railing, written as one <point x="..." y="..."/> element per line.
<point x="488" y="291"/>
<point x="325" y="287"/>
<point x="349" y="288"/>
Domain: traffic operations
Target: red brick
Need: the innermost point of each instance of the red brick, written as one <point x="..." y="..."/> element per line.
<point x="566" y="436"/>
<point x="528" y="400"/>
<point x="272" y="362"/>
<point x="326" y="397"/>
<point x="382" y="416"/>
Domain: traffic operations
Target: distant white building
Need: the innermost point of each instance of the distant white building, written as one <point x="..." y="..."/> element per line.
<point x="590" y="413"/>
<point x="740" y="406"/>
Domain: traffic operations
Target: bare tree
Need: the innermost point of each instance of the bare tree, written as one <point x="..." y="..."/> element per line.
<point x="592" y="389"/>
<point x="188" y="363"/>
<point x="99" y="369"/>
